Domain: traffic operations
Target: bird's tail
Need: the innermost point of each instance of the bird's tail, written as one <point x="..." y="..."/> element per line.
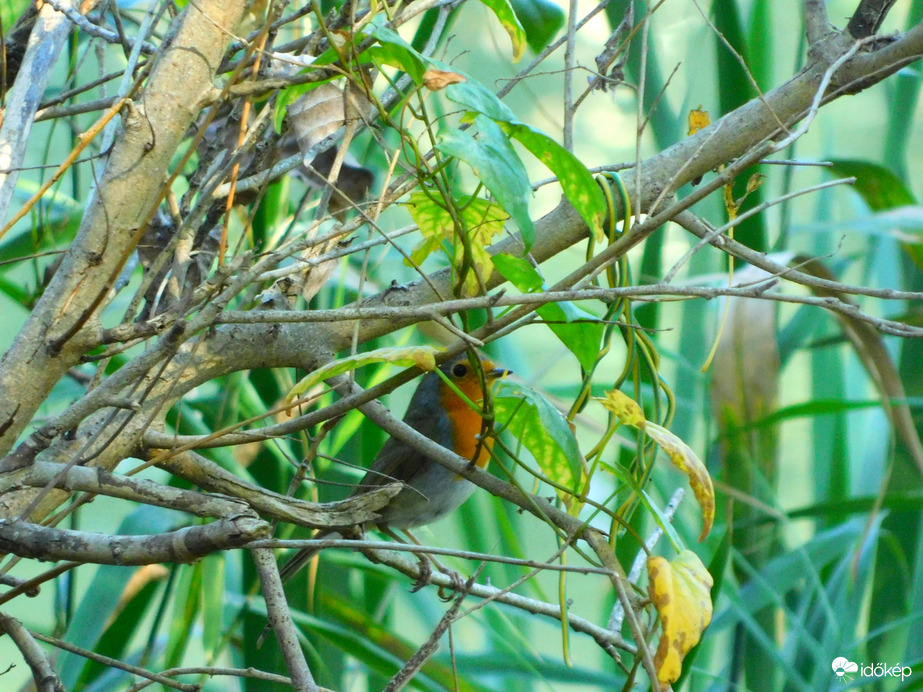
<point x="304" y="556"/>
<point x="293" y="566"/>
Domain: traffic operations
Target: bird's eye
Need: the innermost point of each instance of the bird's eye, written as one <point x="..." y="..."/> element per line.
<point x="459" y="370"/>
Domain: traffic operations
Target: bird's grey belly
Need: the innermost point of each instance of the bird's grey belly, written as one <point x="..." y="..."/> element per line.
<point x="429" y="496"/>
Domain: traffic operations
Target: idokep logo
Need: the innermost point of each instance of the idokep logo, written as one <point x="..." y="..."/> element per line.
<point x="842" y="667"/>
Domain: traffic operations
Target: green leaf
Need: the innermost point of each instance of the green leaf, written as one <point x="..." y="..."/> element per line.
<point x="581" y="337"/>
<point x="409" y="356"/>
<point x="498" y="166"/>
<point x="504" y="12"/>
<point x="396" y="52"/>
<point x="577" y="182"/>
<point x="519" y="272"/>
<point x="213" y="588"/>
<point x="474" y="96"/>
<point x="541" y="20"/>
<point x="881" y="190"/>
<point x="541" y="428"/>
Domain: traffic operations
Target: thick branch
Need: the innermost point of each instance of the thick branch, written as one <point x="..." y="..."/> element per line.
<point x="868" y="17"/>
<point x="46" y="680"/>
<point x="183" y="545"/>
<point x="45" y="43"/>
<point x="52" y="339"/>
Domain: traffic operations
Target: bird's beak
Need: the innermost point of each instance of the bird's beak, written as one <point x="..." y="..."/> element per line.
<point x="497" y="373"/>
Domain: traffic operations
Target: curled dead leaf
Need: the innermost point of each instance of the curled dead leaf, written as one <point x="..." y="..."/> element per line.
<point x="436" y="80"/>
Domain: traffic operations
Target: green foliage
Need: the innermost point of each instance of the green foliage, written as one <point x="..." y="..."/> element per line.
<point x="541" y="20"/>
<point x="817" y="547"/>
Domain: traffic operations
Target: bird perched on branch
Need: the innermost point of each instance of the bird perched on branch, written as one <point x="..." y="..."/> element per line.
<point x="430" y="490"/>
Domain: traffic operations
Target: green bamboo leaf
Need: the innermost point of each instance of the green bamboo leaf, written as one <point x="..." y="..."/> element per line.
<point x="98" y="605"/>
<point x="187" y="605"/>
<point x="213" y="588"/>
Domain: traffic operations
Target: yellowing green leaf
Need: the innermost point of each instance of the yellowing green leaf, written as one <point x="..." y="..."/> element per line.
<point x="541" y="429"/>
<point x="482" y="218"/>
<point x="422" y="357"/>
<point x="682" y="456"/>
<point x="624" y="407"/>
<point x="686" y="461"/>
<point x="681" y="593"/>
<point x="510" y="23"/>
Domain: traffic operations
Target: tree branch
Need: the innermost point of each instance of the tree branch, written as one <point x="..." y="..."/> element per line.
<point x="56" y="334"/>
<point x="184" y="545"/>
<point x="46" y="680"/>
<point x="281" y="620"/>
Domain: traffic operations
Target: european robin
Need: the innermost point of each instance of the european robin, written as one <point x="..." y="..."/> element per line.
<point x="430" y="490"/>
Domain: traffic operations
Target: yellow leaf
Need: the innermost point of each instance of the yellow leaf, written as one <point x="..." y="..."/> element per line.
<point x="681" y="593"/>
<point x="624" y="407"/>
<point x="484" y="221"/>
<point x="686" y="461"/>
<point x="698" y="119"/>
<point x="436" y="80"/>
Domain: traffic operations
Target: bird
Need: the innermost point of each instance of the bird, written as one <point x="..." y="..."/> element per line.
<point x="430" y="490"/>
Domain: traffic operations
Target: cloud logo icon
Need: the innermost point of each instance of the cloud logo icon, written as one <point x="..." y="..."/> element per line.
<point x="842" y="665"/>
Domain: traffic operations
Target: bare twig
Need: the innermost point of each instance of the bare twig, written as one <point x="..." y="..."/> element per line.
<point x="46" y="680"/>
<point x="91" y="29"/>
<point x="214" y="671"/>
<point x="281" y="620"/>
<point x="114" y="663"/>
<point x="415" y="663"/>
<point x="45" y="42"/>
